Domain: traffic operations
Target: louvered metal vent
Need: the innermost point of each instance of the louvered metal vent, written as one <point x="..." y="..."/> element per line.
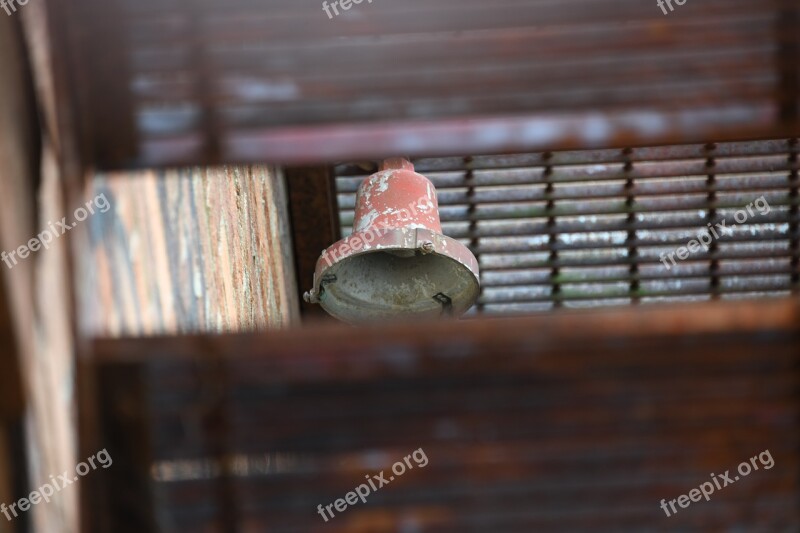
<point x="590" y="228"/>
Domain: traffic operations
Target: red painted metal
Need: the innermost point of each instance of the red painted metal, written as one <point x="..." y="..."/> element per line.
<point x="397" y="196"/>
<point x="397" y="263"/>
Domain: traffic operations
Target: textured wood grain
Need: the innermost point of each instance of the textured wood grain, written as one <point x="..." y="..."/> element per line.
<point x="189" y="250"/>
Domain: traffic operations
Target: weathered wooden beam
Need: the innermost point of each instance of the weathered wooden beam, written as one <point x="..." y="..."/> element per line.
<point x="21" y="405"/>
<point x="40" y="180"/>
<point x="124" y="486"/>
<point x="13" y="468"/>
<point x="202" y="250"/>
<point x="685" y="319"/>
<point x="14" y="480"/>
<point x="6" y="475"/>
<point x="528" y="423"/>
<point x="11" y="394"/>
<point x="443" y="79"/>
<point x="193" y="250"/>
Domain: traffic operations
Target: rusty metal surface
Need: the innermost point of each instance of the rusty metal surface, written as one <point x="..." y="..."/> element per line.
<point x="193" y="83"/>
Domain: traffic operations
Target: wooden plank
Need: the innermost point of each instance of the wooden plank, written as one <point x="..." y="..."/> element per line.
<point x="284" y="83"/>
<point x="12" y="399"/>
<point x="49" y="187"/>
<point x="121" y="496"/>
<point x="573" y="418"/>
<point x="192" y="250"/>
<point x="686" y="319"/>
<point x="6" y="476"/>
<point x="113" y="125"/>
<point x="189" y="250"/>
<point x="41" y="442"/>
<point x="14" y="482"/>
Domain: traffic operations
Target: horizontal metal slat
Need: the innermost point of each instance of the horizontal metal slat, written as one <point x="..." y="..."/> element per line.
<point x="434" y="166"/>
<point x="563" y="296"/>
<point x="695" y="270"/>
<point x="592" y="224"/>
<point x="618" y="257"/>
<point x="605" y="241"/>
<point x="605" y="209"/>
<point x="635" y="155"/>
<point x="588" y="190"/>
<point x="732" y="168"/>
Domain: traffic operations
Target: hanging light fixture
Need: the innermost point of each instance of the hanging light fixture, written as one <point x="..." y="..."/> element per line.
<point x="397" y="263"/>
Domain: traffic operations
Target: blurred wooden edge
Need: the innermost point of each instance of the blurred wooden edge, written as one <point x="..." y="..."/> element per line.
<point x="734" y="317"/>
<point x="12" y="400"/>
<point x="5" y="468"/>
<point x="121" y="369"/>
<point x="18" y="163"/>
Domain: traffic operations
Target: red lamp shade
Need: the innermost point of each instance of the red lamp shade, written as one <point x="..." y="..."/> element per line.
<point x="396" y="264"/>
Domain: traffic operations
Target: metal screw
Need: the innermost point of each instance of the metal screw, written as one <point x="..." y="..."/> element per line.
<point x="427" y="247"/>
